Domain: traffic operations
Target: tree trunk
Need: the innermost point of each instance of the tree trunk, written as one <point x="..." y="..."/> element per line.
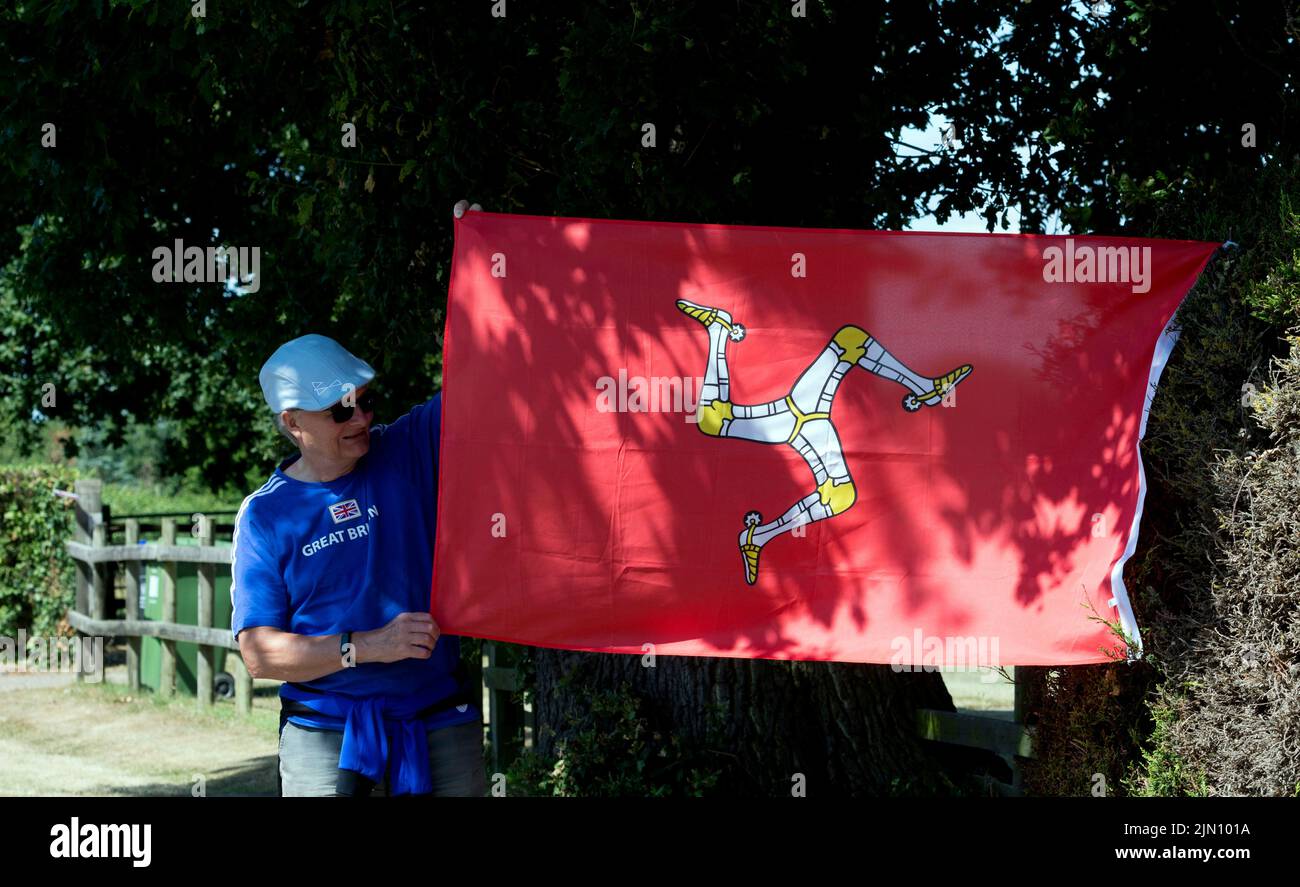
<point x="849" y="729"/>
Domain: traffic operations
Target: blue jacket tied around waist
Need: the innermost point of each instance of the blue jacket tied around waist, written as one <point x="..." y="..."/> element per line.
<point x="378" y="732"/>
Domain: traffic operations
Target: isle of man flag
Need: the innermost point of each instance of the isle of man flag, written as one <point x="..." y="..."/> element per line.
<point x="785" y="443"/>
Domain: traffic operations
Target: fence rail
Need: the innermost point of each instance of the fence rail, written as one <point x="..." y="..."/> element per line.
<point x="190" y="634"/>
<point x="183" y="554"/>
<point x="1012" y="741"/>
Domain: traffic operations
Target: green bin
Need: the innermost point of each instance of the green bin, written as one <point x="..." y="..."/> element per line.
<point x="187" y="613"/>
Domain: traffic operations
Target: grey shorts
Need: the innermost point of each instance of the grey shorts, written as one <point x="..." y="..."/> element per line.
<point x="309" y="762"/>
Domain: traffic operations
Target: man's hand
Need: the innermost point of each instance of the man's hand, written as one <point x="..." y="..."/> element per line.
<point x="408" y="636"/>
<point x="464" y="206"/>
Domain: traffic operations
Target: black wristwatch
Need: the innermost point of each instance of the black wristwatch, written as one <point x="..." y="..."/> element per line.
<point x="344" y="640"/>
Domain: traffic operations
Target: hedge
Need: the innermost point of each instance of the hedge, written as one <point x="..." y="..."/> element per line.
<point x="37" y="578"/>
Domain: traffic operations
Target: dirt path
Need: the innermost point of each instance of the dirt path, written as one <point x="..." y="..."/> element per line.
<point x="59" y="738"/>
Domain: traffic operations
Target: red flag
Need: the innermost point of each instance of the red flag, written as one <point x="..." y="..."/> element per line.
<point x="906" y="448"/>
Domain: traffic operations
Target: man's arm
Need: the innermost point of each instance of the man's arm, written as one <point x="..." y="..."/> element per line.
<point x="284" y="656"/>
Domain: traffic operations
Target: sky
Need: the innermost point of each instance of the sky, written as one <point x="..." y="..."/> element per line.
<point x="931" y="138"/>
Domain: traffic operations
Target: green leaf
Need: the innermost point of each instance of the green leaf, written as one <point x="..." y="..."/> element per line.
<point x="305" y="203"/>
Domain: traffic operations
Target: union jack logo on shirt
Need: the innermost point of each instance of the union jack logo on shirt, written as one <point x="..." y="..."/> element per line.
<point x="345" y="511"/>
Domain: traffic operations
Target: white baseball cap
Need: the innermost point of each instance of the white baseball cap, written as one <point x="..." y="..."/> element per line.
<point x="311" y="372"/>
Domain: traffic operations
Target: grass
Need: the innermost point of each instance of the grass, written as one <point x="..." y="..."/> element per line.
<point x="102" y="739"/>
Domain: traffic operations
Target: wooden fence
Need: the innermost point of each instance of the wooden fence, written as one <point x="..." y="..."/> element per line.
<point x="1010" y="740"/>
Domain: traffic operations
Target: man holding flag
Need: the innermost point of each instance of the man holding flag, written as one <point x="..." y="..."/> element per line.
<point x="333" y="560"/>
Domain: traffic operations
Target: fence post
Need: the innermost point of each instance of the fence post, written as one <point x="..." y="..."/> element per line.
<point x="243" y="685"/>
<point x="133" y="607"/>
<point x="97" y="574"/>
<point x="1028" y="698"/>
<point x="109" y="568"/>
<point x="89" y="502"/>
<point x="99" y="587"/>
<point x="504" y="717"/>
<point x="243" y="680"/>
<point x="167" y="664"/>
<point x="207" y="658"/>
<point x="474" y="674"/>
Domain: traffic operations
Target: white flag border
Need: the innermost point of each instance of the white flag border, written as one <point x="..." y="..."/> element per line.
<point x="1164" y="347"/>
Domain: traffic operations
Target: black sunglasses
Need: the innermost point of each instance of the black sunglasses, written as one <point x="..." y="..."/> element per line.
<point x="366" y="402"/>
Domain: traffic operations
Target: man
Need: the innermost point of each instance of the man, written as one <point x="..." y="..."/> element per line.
<point x="331" y="575"/>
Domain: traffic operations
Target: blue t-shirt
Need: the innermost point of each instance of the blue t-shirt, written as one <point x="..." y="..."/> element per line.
<point x="349" y="555"/>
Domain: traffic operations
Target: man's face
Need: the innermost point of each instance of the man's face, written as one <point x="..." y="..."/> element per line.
<point x="322" y="437"/>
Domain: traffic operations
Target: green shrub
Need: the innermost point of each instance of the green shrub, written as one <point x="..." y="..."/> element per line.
<point x="1230" y="678"/>
<point x="165" y="495"/>
<point x="36" y="574"/>
<point x="614" y="754"/>
<point x="1162" y="772"/>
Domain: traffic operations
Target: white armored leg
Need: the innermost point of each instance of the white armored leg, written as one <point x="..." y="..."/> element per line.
<point x="879" y="361"/>
<point x="802" y="418"/>
<point x="820" y="447"/>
